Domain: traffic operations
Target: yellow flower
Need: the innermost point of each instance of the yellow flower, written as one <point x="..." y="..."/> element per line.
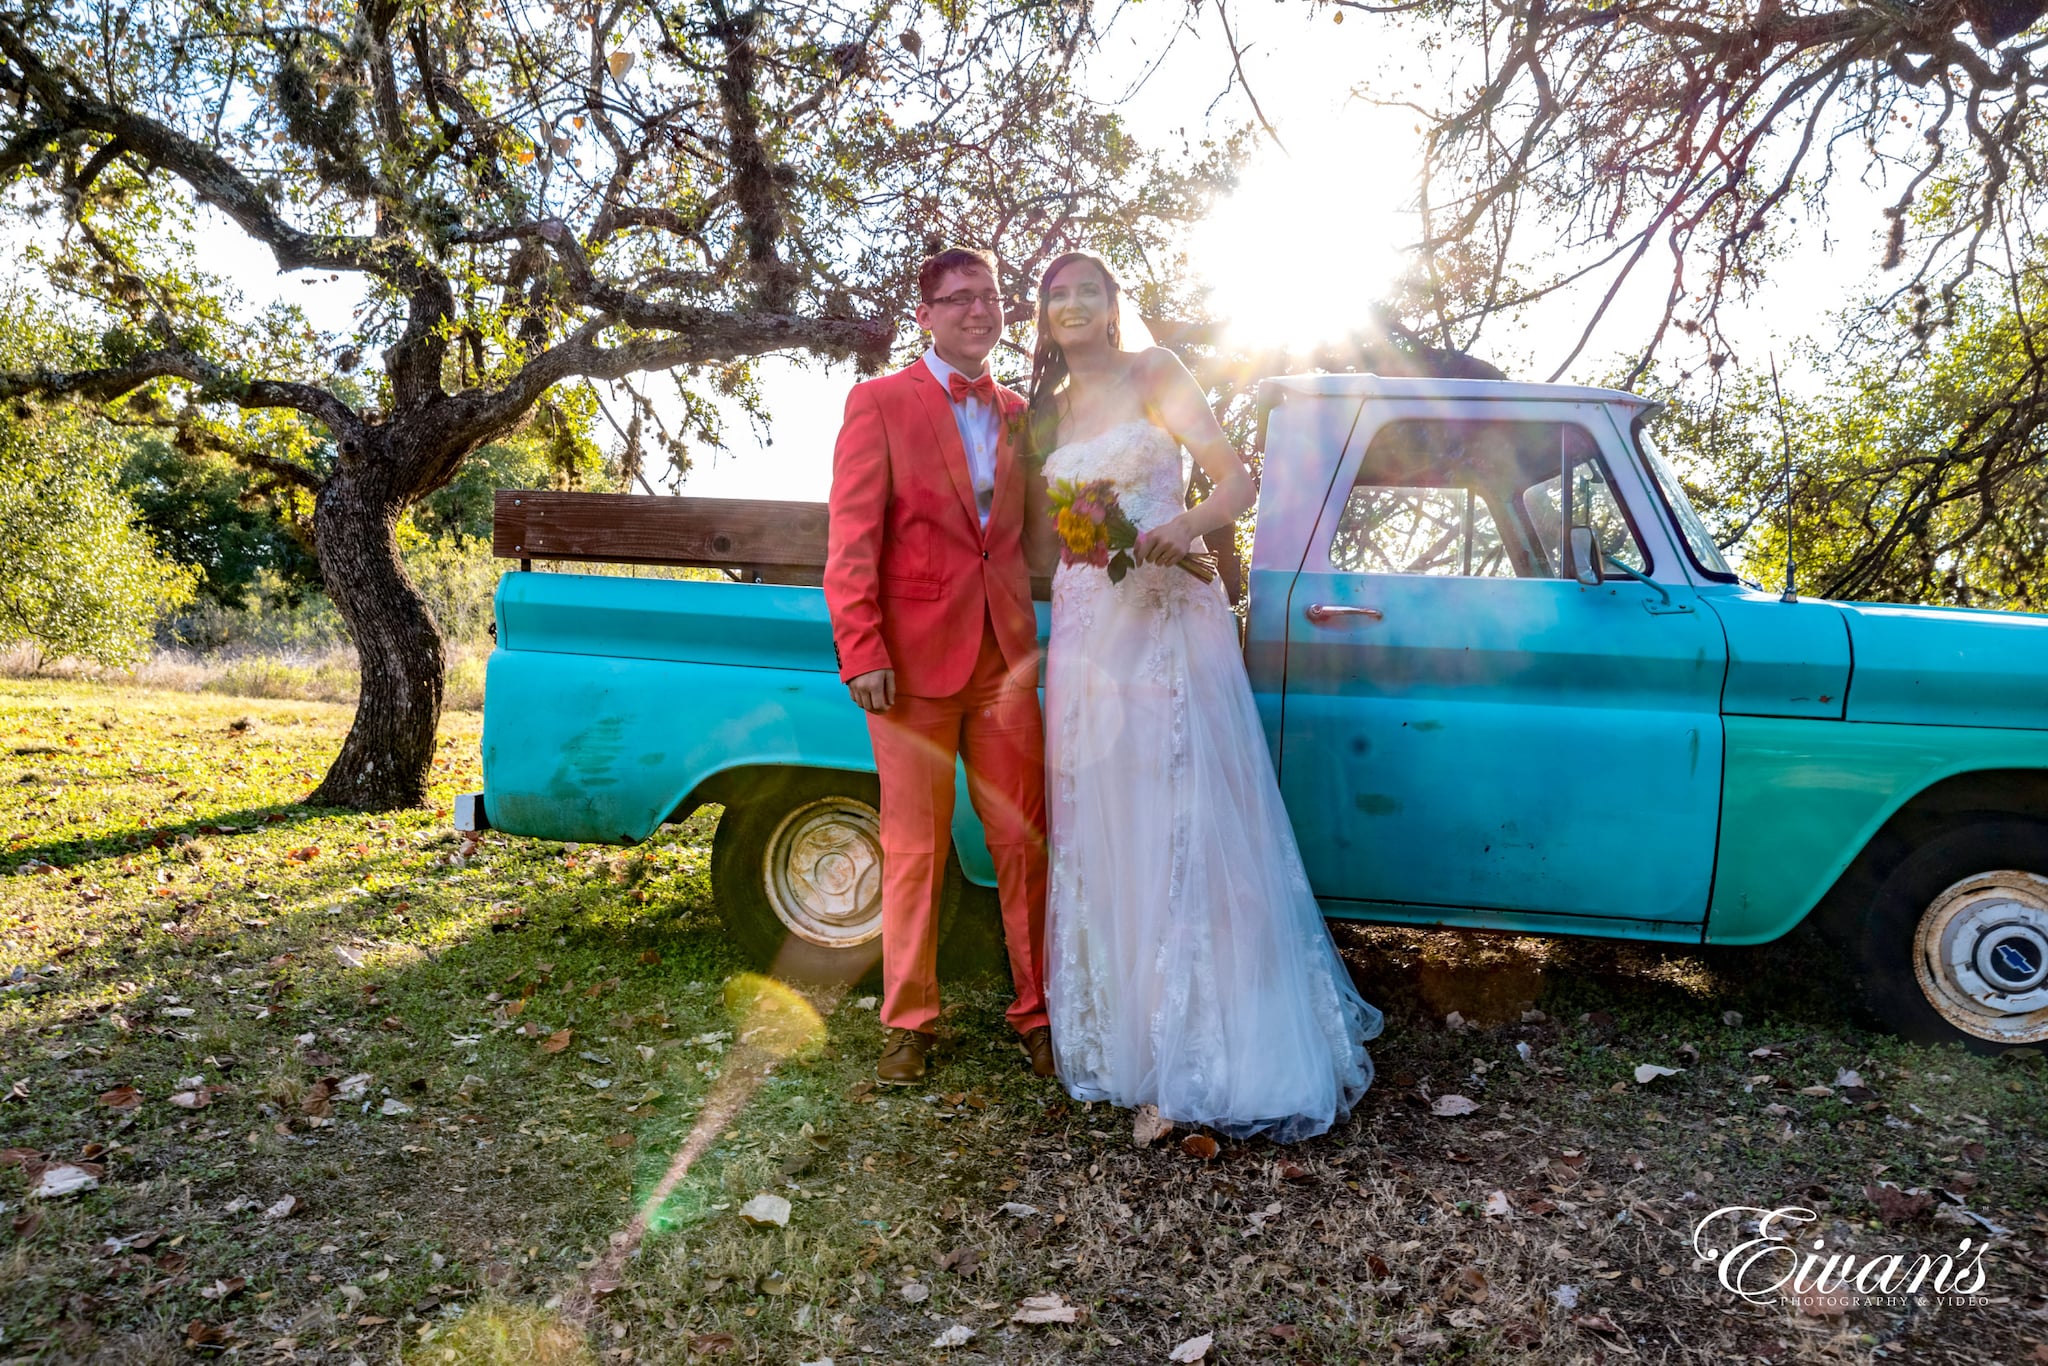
<point x="1079" y="533"/>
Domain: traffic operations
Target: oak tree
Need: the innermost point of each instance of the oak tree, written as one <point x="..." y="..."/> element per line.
<point x="533" y="193"/>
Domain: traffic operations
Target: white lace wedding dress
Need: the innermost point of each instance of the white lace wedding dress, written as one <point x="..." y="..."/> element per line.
<point x="1187" y="962"/>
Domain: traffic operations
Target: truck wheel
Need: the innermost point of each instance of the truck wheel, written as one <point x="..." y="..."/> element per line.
<point x="796" y="870"/>
<point x="1956" y="950"/>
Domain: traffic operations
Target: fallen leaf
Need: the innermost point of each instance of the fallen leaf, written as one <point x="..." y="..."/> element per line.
<point x="355" y="1087"/>
<point x="961" y="1261"/>
<point x="1291" y="1171"/>
<point x="620" y="1141"/>
<point x="916" y="1292"/>
<point x="394" y="1106"/>
<point x="200" y="1333"/>
<point x="959" y="1335"/>
<point x="1194" y="1349"/>
<point x="766" y="1210"/>
<point x="283" y="1209"/>
<point x="1148" y="1127"/>
<point x="348" y="956"/>
<point x="649" y="957"/>
<point x="1285" y="1332"/>
<point x="1818" y="1092"/>
<point x="1648" y="1072"/>
<point x="221" y="1290"/>
<point x="121" y="1098"/>
<point x="192" y="1100"/>
<point x="713" y="1344"/>
<point x="67" y="1178"/>
<point x="1469" y="1284"/>
<point x="1048" y="1308"/>
<point x="1017" y="1209"/>
<point x="1896" y="1206"/>
<point x="25" y="1225"/>
<point x="1450" y="1104"/>
<point x="1497" y="1206"/>
<point x="1199" y="1146"/>
<point x="1599" y="1323"/>
<point x="557" y="1041"/>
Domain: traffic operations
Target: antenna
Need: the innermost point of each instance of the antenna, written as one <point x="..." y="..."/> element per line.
<point x="1790" y="594"/>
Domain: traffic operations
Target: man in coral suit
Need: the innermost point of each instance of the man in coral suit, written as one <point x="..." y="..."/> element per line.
<point x="931" y="613"/>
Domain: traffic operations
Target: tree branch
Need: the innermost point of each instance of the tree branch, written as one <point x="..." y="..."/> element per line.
<point x="106" y="383"/>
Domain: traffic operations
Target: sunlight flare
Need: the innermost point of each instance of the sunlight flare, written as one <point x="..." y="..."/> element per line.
<point x="1312" y="238"/>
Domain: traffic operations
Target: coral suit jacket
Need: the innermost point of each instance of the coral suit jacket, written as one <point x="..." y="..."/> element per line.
<point x="910" y="572"/>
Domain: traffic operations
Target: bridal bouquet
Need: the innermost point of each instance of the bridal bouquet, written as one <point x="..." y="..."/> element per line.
<point x="1094" y="529"/>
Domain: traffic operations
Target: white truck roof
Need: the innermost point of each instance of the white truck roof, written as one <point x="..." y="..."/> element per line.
<point x="1482" y="390"/>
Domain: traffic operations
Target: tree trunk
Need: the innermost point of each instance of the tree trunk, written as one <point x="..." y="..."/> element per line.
<point x="389" y="752"/>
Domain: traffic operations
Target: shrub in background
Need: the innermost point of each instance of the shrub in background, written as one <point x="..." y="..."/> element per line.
<point x="79" y="575"/>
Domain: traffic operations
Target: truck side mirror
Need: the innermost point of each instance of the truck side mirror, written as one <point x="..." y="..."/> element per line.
<point x="1587" y="559"/>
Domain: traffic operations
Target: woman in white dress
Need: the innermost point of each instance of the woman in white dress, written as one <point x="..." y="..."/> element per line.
<point x="1187" y="963"/>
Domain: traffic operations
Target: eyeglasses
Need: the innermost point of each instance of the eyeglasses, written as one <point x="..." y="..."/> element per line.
<point x="967" y="298"/>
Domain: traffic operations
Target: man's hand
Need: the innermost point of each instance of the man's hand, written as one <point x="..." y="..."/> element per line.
<point x="875" y="691"/>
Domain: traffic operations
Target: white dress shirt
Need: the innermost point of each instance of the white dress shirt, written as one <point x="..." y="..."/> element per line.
<point x="981" y="431"/>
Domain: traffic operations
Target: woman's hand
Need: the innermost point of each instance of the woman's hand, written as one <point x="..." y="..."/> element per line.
<point x="1167" y="543"/>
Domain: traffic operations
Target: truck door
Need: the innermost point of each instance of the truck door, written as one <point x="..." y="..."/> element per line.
<point x="1466" y="730"/>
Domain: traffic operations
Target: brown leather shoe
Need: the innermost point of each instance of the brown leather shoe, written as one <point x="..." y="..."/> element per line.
<point x="1038" y="1043"/>
<point x="903" y="1057"/>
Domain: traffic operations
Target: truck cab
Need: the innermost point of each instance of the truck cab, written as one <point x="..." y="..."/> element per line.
<point x="1507" y="680"/>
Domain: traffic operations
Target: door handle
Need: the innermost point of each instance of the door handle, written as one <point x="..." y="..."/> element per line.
<point x="1320" y="612"/>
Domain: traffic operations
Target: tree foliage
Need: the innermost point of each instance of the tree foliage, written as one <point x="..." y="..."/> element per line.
<point x="1691" y="139"/>
<point x="197" y="506"/>
<point x="531" y="194"/>
<point x="1917" y="481"/>
<point x="80" y="576"/>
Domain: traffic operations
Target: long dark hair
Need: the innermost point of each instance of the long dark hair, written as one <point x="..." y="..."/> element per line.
<point x="1048" y="362"/>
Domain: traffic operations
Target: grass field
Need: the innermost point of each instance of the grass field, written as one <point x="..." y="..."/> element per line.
<point x="347" y="1089"/>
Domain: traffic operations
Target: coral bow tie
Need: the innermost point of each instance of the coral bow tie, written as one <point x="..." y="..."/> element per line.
<point x="982" y="387"/>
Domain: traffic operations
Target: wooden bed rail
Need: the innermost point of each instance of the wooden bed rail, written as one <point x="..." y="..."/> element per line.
<point x="753" y="540"/>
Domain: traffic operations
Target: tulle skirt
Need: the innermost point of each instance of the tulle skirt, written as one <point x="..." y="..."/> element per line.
<point x="1188" y="965"/>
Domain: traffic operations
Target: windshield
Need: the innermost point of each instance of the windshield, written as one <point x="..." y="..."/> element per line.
<point x="1691" y="526"/>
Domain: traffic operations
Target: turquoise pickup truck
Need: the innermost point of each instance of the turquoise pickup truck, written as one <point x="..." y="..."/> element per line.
<point x="1508" y="682"/>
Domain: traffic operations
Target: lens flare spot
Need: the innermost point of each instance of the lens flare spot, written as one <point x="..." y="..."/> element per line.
<point x="773" y="1017"/>
<point x="504" y="1335"/>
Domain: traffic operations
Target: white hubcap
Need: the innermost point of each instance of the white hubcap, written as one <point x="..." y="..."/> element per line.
<point x="824" y="872"/>
<point x="1982" y="956"/>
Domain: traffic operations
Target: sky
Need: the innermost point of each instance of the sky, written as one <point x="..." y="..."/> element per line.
<point x="1346" y="163"/>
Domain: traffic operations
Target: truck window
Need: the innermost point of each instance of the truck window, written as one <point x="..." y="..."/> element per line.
<point x="1404" y="529"/>
<point x="1472" y="499"/>
<point x="1594" y="505"/>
